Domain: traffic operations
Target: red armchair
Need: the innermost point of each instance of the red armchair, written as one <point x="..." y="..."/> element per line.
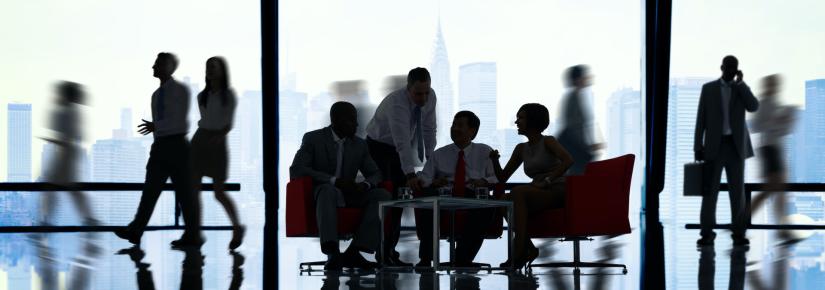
<point x="300" y="214"/>
<point x="596" y="205"/>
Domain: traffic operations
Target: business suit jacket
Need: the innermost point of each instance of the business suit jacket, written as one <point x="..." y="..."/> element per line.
<point x="317" y="158"/>
<point x="708" y="135"/>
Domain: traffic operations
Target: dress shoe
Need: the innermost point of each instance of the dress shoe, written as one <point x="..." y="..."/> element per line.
<point x="354" y="260"/>
<point x="128" y="235"/>
<point x="333" y="263"/>
<point x="186" y="242"/>
<point x="392" y="260"/>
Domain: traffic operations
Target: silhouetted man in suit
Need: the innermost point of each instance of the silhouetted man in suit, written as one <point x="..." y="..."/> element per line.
<point x="723" y="141"/>
<point x="332" y="156"/>
<point x="169" y="156"/>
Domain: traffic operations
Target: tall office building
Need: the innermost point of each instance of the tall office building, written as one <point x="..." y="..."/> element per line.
<point x="443" y="87"/>
<point x="478" y="91"/>
<point x="809" y="138"/>
<point x="624" y="126"/>
<point x="19" y="144"/>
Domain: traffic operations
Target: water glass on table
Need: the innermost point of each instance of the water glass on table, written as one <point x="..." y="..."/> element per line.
<point x="482" y="193"/>
<point x="445" y="191"/>
<point x="405" y="193"/>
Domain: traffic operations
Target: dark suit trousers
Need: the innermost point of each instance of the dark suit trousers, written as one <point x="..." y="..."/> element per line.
<point x="168" y="158"/>
<point x="388" y="162"/>
<point x="326" y="211"/>
<point x="734" y="166"/>
<point x="468" y="238"/>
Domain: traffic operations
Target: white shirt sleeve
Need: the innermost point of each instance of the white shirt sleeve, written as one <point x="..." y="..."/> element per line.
<point x="399" y="119"/>
<point x="428" y="174"/>
<point x="429" y="125"/>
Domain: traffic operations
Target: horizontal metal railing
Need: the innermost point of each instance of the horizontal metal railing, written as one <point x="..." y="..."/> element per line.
<point x="98" y="186"/>
<point x="787" y="188"/>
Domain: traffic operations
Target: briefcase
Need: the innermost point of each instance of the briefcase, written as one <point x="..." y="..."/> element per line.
<point x="694" y="179"/>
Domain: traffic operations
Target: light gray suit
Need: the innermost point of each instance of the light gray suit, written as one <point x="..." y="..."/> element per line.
<point x="317" y="158"/>
<point x="724" y="151"/>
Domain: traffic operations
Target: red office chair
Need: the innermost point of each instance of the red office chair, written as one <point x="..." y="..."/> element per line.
<point x="460" y="219"/>
<point x="300" y="215"/>
<point x="597" y="205"/>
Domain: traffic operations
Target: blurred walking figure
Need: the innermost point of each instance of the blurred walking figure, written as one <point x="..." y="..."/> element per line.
<point x="774" y="121"/>
<point x="576" y="133"/>
<point x="65" y="122"/>
<point x="217" y="103"/>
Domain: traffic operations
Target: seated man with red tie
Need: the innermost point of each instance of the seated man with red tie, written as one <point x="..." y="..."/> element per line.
<point x="462" y="166"/>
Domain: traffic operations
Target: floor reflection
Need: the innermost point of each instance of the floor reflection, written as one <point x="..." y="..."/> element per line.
<point x="77" y="261"/>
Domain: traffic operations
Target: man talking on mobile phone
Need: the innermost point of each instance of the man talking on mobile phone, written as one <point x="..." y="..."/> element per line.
<point x="722" y="140"/>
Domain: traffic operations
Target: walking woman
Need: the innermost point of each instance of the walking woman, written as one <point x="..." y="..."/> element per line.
<point x="216" y="104"/>
<point x="545" y="162"/>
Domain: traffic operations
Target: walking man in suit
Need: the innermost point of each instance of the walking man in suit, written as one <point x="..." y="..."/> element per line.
<point x="723" y="141"/>
<point x="332" y="156"/>
<point x="169" y="156"/>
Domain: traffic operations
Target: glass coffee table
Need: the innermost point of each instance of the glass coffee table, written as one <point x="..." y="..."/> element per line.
<point x="450" y="203"/>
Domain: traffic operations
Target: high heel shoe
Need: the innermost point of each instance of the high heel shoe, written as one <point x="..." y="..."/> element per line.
<point x="526" y="260"/>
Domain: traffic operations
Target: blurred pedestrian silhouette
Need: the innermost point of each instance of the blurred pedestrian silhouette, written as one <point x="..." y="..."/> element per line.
<point x="62" y="171"/>
<point x="216" y="103"/>
<point x="65" y="122"/>
<point x="576" y="126"/>
<point x="169" y="156"/>
<point x="722" y="140"/>
<point x="773" y="121"/>
<point x="355" y="92"/>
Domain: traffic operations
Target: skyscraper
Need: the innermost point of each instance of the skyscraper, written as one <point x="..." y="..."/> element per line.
<point x="810" y="135"/>
<point x="443" y="87"/>
<point x="19" y="143"/>
<point x="478" y="90"/>
<point x="624" y="124"/>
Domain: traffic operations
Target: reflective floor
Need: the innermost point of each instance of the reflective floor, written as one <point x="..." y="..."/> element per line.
<point x="102" y="261"/>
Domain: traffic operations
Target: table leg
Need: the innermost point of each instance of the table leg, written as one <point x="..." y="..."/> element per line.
<point x="452" y="239"/>
<point x="436" y="233"/>
<point x="510" y="236"/>
<point x="381" y="235"/>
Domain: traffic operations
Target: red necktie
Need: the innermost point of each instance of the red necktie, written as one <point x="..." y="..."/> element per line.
<point x="458" y="184"/>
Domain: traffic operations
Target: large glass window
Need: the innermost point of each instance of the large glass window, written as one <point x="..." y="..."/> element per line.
<point x="767" y="38"/>
<point x="489" y="57"/>
<point x="109" y="48"/>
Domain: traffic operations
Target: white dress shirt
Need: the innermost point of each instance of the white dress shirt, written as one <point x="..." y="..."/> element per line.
<point x="216" y="115"/>
<point x="391" y="125"/>
<point x="444" y="160"/>
<point x="170" y="106"/>
<point x="726" y="95"/>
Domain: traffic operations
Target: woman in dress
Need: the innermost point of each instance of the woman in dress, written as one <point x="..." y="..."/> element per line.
<point x="545" y="162"/>
<point x="216" y="104"/>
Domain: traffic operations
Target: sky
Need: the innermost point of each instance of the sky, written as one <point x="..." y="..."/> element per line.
<point x="110" y="46"/>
